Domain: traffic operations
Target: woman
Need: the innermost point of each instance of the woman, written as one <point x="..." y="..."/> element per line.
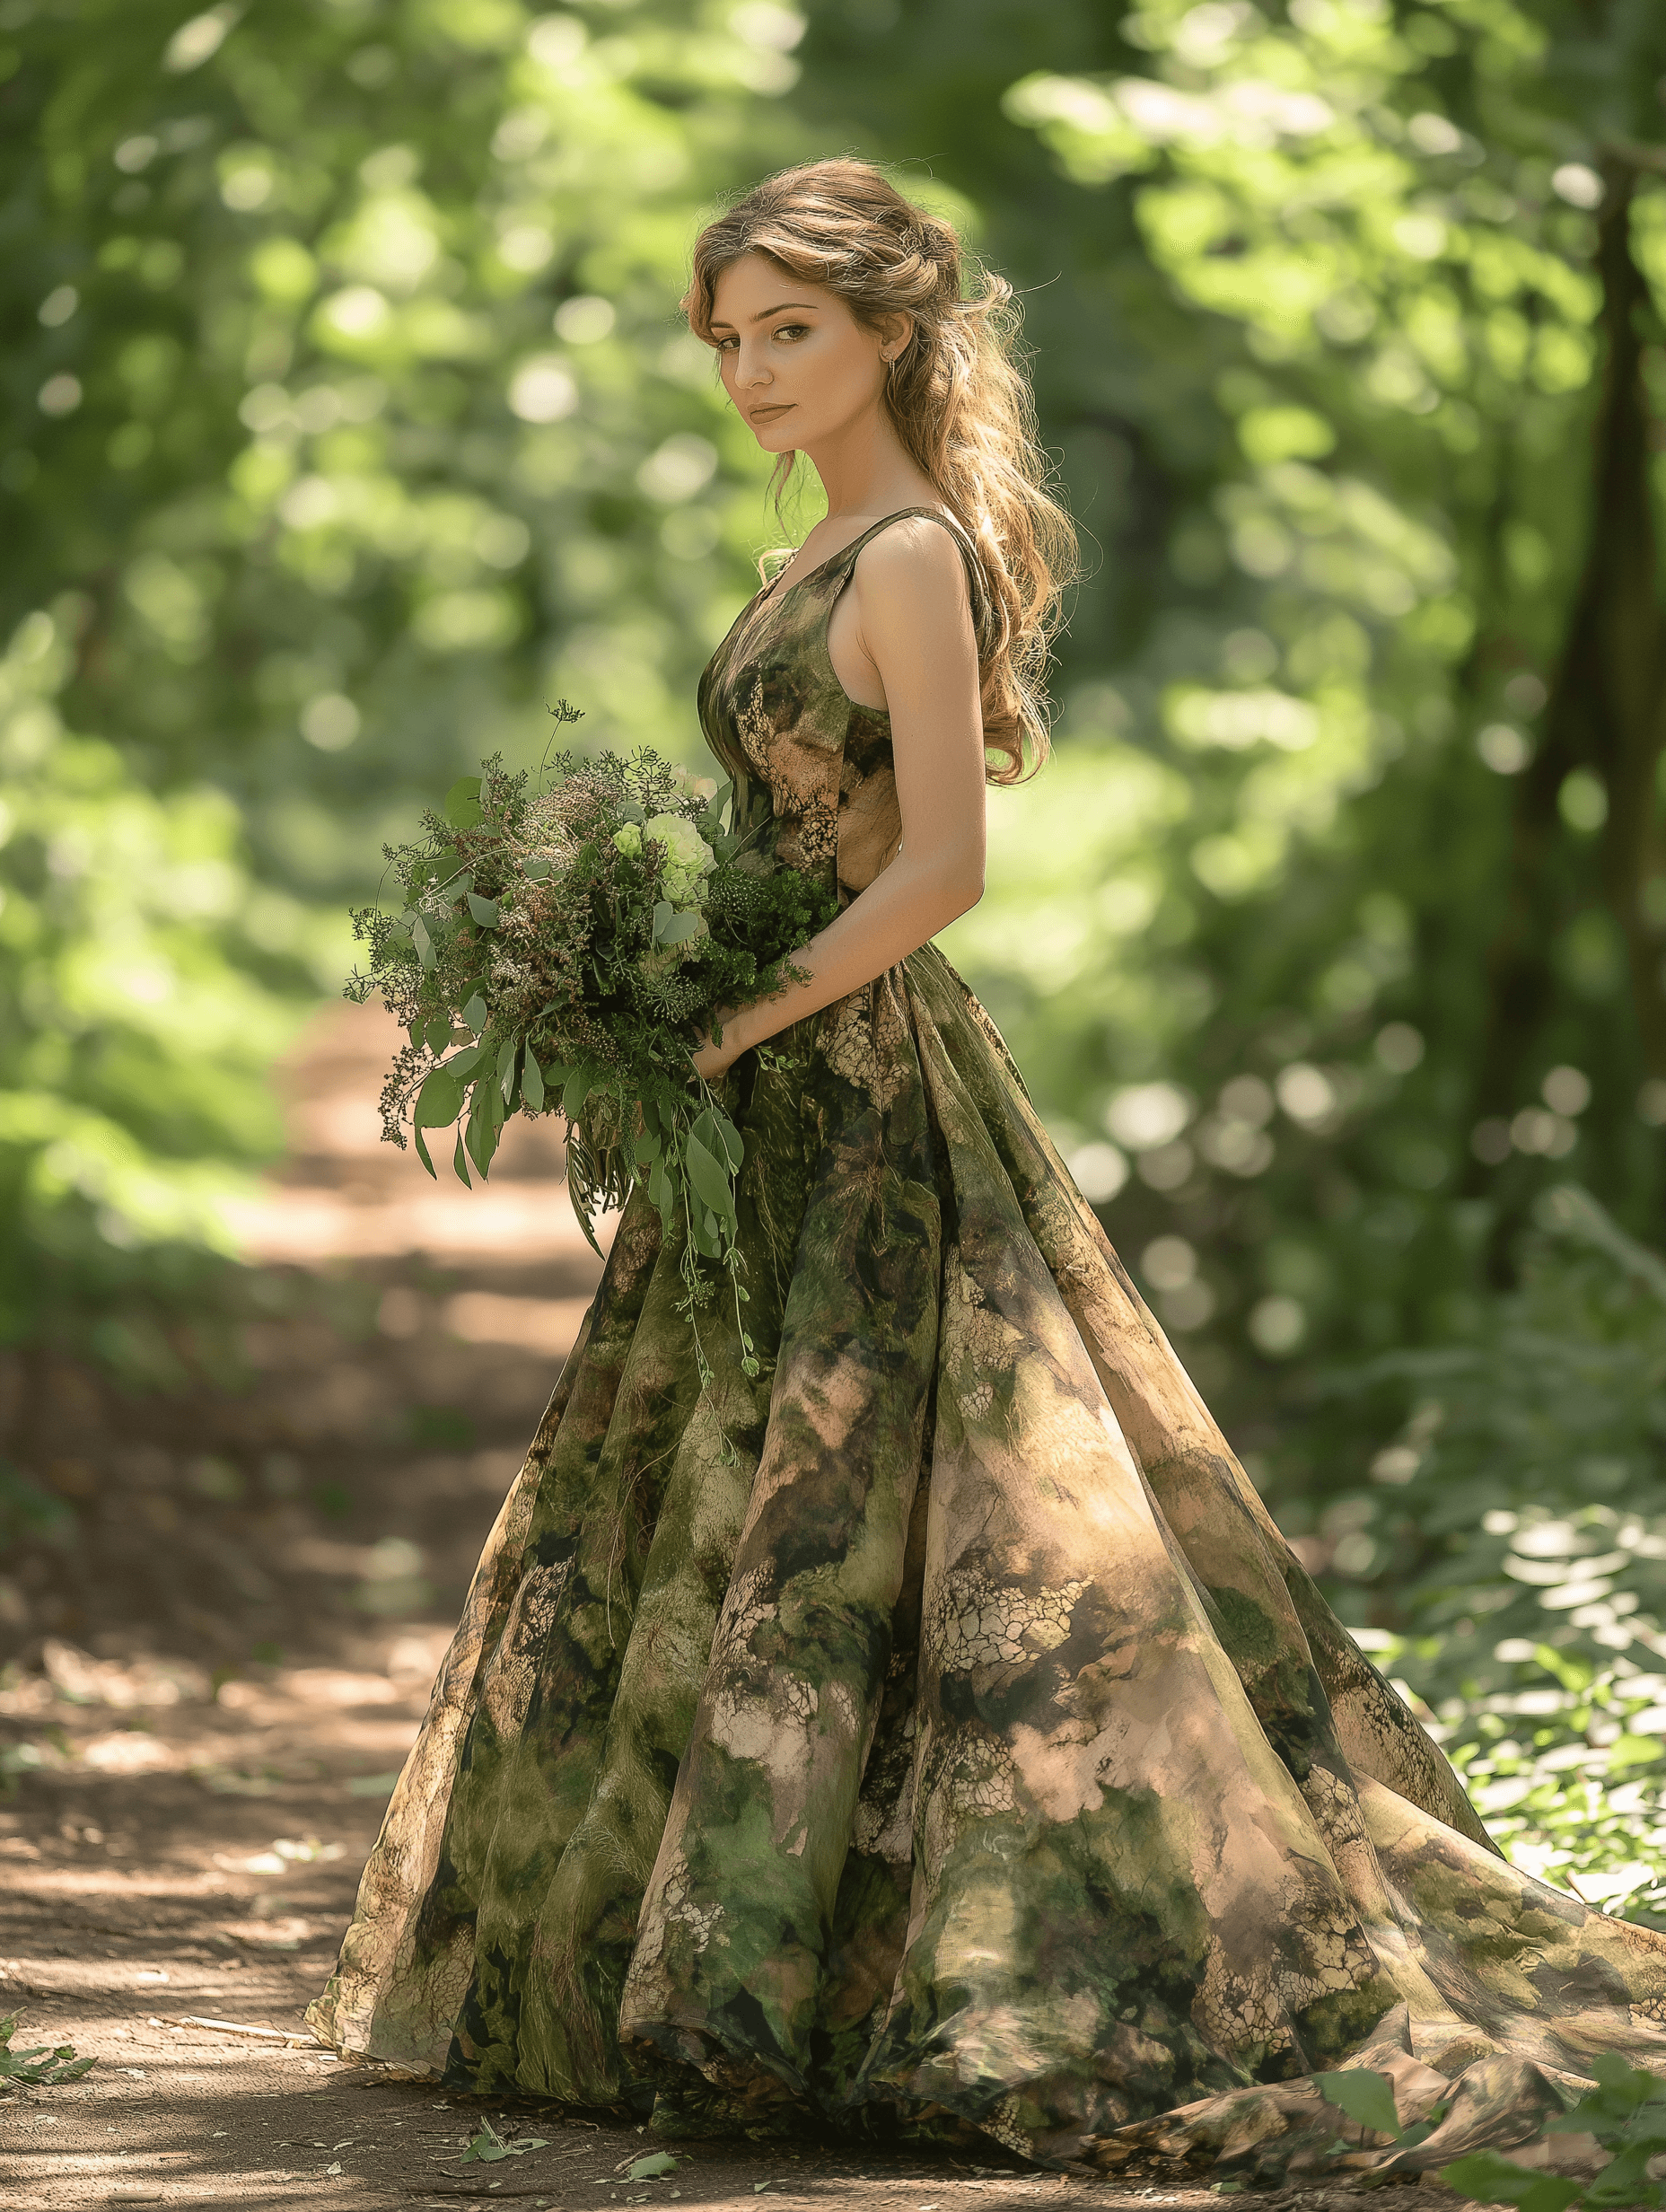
<point x="964" y="1748"/>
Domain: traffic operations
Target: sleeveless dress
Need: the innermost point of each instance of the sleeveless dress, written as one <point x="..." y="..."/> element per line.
<point x="934" y="1733"/>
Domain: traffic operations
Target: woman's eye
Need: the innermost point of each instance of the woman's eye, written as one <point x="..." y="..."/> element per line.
<point x="794" y="331"/>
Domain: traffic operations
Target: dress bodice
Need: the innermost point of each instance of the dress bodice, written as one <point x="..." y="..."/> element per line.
<point x="812" y="769"/>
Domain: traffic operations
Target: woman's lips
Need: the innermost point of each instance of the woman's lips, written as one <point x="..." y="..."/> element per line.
<point x="769" y="411"/>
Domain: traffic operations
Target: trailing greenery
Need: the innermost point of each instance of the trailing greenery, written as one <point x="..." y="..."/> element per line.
<point x="578" y="941"/>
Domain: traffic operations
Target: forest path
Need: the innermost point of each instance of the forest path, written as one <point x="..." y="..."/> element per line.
<point x="222" y="1669"/>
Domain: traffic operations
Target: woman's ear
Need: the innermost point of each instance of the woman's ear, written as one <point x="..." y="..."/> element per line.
<point x="896" y="336"/>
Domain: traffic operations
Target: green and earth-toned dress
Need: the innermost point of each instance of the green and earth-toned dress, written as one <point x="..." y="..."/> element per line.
<point x="935" y="1732"/>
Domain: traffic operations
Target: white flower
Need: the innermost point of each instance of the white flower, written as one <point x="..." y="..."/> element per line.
<point x="689" y="859"/>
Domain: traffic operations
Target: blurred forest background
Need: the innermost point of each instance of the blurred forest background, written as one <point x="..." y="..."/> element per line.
<point x="348" y="421"/>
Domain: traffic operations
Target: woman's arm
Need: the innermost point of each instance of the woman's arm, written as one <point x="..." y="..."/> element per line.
<point x="914" y="622"/>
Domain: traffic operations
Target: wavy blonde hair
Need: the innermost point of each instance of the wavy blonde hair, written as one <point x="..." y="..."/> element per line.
<point x="958" y="396"/>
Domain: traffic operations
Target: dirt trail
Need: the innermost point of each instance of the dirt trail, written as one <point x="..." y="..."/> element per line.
<point x="219" y="1673"/>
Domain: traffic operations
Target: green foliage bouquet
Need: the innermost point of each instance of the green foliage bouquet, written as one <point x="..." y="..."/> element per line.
<point x="567" y="948"/>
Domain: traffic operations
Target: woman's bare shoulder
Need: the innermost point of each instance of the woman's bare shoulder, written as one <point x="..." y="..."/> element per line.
<point x="917" y="559"/>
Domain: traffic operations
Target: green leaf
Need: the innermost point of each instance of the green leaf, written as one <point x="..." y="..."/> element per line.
<point x="663" y="915"/>
<point x="422" y="1152"/>
<point x="437" y="1033"/>
<point x="649" y="2168"/>
<point x="461" y="803"/>
<point x="459" y="1165"/>
<point x="474" y="1014"/>
<point x="506" y="1066"/>
<point x="1492" y="2179"/>
<point x="484" y="910"/>
<point x="580" y="1084"/>
<point x="710" y="1181"/>
<point x="532" y="1082"/>
<point x="678" y="929"/>
<point x="1364" y="2096"/>
<point x="439" y="1101"/>
<point x="535" y="871"/>
<point x="480" y="1132"/>
<point x="423" y="942"/>
<point x="733" y="1142"/>
<point x="463" y="1063"/>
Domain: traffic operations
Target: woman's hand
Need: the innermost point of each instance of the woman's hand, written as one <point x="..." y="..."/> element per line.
<point x="714" y="1061"/>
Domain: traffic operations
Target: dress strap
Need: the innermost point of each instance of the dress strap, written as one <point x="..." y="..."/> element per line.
<point x="843" y="563"/>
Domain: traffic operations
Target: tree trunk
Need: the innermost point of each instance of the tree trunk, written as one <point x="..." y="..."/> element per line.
<point x="1607" y="709"/>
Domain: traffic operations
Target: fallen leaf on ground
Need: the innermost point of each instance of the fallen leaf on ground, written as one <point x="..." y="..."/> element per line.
<point x="645" y="2169"/>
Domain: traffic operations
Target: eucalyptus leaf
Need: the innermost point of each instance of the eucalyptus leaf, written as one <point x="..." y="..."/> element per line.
<point x="532" y="1082"/>
<point x="681" y="926"/>
<point x="1490" y="2178"/>
<point x="733" y="1142"/>
<point x="711" y="1184"/>
<point x="439" y="1101"/>
<point x="475" y="1013"/>
<point x="1365" y="2096"/>
<point x="484" y="910"/>
<point x="578" y="1088"/>
<point x="422" y="1152"/>
<point x="461" y="803"/>
<point x="480" y="1131"/>
<point x="459" y="1165"/>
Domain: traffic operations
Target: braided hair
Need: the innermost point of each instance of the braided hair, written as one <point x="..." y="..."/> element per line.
<point x="957" y="395"/>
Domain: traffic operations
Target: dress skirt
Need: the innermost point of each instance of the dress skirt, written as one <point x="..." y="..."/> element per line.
<point x="934" y="1732"/>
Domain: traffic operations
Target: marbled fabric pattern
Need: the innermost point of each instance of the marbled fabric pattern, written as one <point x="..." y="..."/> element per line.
<point x="963" y="1746"/>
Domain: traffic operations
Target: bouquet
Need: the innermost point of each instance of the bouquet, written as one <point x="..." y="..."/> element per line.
<point x="567" y="948"/>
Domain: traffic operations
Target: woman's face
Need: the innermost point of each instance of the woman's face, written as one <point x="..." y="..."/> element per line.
<point x="797" y="364"/>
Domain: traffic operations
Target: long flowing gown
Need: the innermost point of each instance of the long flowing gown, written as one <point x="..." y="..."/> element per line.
<point x="935" y="1732"/>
